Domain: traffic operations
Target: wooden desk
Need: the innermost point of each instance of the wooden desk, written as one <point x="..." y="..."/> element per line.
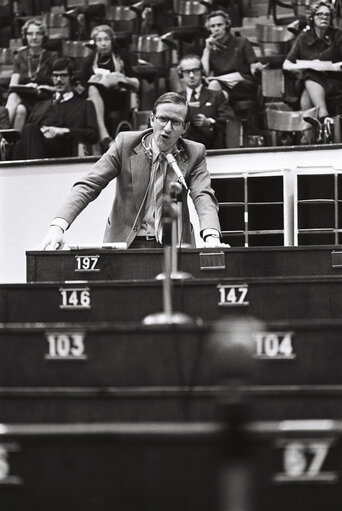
<point x="131" y="467"/>
<point x="297" y="464"/>
<point x="273" y="298"/>
<point x="57" y="266"/>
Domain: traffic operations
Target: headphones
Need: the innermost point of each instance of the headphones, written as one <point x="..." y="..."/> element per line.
<point x="223" y="15"/>
<point x="187" y="57"/>
<point x="37" y="23"/>
<point x="102" y="28"/>
<point x="316" y="6"/>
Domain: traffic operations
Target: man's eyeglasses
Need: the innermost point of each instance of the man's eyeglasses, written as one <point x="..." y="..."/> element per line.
<point x="188" y="71"/>
<point x="322" y="14"/>
<point x="60" y="75"/>
<point x="163" y="121"/>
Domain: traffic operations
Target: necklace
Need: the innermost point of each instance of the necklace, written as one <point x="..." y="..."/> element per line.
<point x="32" y="62"/>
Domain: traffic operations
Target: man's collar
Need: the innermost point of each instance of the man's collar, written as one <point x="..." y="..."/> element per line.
<point x="189" y="90"/>
<point x="155" y="149"/>
<point x="312" y="37"/>
<point x="65" y="97"/>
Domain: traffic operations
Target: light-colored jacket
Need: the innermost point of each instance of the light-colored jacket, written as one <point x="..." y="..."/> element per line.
<point x="129" y="160"/>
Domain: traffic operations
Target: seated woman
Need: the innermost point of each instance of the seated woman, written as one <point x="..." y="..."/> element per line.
<point x="230" y="61"/>
<point x="32" y="67"/>
<point x="316" y="59"/>
<point x="105" y="72"/>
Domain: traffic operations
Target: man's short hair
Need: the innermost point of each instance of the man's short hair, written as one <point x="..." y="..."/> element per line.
<point x="64" y="63"/>
<point x="170" y="97"/>
<point x="190" y="56"/>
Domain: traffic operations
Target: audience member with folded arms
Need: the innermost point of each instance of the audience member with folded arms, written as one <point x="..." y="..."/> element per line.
<point x="56" y="125"/>
<point x="209" y="110"/>
<point x="316" y="59"/>
<point x="230" y="61"/>
<point x="108" y="72"/>
<point x="144" y="164"/>
<point x="32" y="67"/>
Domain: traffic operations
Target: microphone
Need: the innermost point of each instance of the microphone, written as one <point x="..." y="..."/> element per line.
<point x="172" y="162"/>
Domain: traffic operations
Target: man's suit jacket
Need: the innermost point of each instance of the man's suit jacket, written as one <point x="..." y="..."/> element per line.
<point x="79" y="117"/>
<point x="212" y="104"/>
<point x="129" y="160"/>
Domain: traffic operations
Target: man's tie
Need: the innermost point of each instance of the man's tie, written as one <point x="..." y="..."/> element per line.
<point x="158" y="196"/>
<point x="57" y="99"/>
<point x="194" y="96"/>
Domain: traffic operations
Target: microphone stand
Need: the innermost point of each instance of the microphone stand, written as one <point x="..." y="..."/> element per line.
<point x="168" y="316"/>
<point x="176" y="226"/>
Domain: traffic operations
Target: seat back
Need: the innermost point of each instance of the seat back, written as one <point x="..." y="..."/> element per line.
<point x="190" y="13"/>
<point x="76" y="50"/>
<point x="279" y="117"/>
<point x="272" y="83"/>
<point x="152" y="50"/>
<point x="58" y="27"/>
<point x="6" y="65"/>
<point x="273" y="39"/>
<point x="85" y="3"/>
<point x="141" y="119"/>
<point x="122" y="19"/>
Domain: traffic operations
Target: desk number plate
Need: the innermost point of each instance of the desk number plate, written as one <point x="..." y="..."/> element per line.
<point x="86" y="263"/>
<point x="75" y="298"/>
<point x="303" y="461"/>
<point x="65" y="346"/>
<point x="233" y="295"/>
<point x="274" y="345"/>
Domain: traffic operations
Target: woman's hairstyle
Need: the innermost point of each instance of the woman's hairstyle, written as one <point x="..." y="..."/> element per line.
<point x="314" y="8"/>
<point x="33" y="21"/>
<point x="223" y="15"/>
<point x="102" y="28"/>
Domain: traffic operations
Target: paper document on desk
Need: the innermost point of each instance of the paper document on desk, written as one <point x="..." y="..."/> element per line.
<point x="118" y="245"/>
<point x="315" y="64"/>
<point x="230" y="79"/>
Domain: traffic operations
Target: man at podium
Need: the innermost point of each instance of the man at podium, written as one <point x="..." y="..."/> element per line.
<point x="144" y="164"/>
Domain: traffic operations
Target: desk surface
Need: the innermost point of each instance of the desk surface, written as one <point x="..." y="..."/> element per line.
<point x="103" y="264"/>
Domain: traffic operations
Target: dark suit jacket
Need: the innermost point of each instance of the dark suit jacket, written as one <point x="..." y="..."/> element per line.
<point x="212" y="104"/>
<point x="79" y="117"/>
<point x="128" y="160"/>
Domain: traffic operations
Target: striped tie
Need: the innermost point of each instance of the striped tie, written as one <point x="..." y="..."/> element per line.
<point x="158" y="197"/>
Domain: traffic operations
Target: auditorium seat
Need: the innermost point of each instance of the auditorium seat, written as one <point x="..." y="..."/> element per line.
<point x="78" y="51"/>
<point x="154" y="61"/>
<point x="6" y="66"/>
<point x="123" y="21"/>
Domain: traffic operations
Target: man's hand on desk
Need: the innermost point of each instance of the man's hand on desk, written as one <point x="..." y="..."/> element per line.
<point x="53" y="240"/>
<point x="211" y="240"/>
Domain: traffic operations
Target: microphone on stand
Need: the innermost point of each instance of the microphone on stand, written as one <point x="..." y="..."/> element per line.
<point x="172" y="162"/>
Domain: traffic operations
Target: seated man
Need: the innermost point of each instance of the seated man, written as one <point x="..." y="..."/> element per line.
<point x="208" y="110"/>
<point x="55" y="125"/>
<point x="229" y="61"/>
